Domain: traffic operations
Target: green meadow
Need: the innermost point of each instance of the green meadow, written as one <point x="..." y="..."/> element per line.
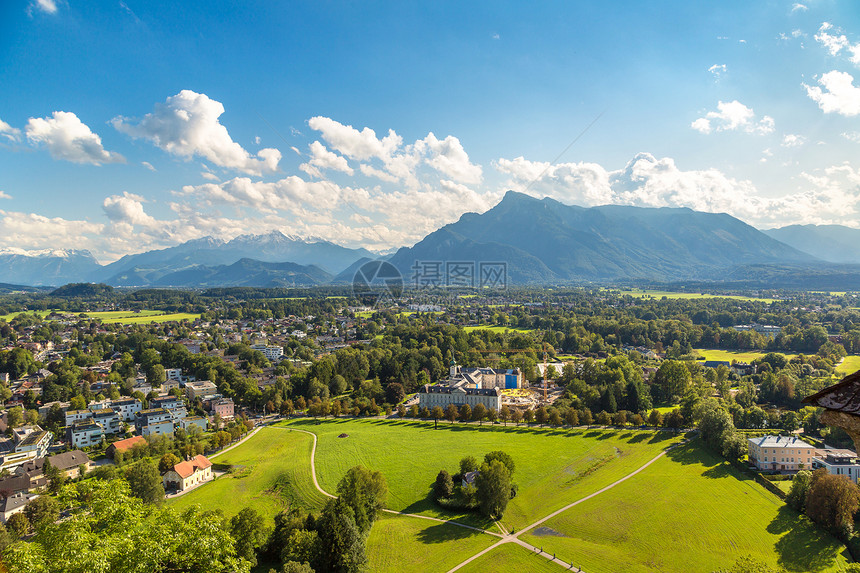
<point x="729" y="355"/>
<point x="849" y="365"/>
<point x="658" y="294"/>
<point x="689" y="511"/>
<point x="496" y="328"/>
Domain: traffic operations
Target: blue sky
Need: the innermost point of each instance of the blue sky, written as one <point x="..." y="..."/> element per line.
<point x="132" y="125"/>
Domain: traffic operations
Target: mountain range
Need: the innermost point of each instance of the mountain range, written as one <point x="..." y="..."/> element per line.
<point x="538" y="241"/>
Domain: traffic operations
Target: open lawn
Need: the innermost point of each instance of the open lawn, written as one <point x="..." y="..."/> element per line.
<point x="689" y="511"/>
<point x="729" y="355"/>
<point x="272" y="471"/>
<point x="658" y="294"/>
<point x="511" y="558"/>
<point x="553" y="467"/>
<point x="849" y="365"/>
<point x="400" y="543"/>
<point x="146" y="319"/>
<point x="496" y="328"/>
<point x="11" y="315"/>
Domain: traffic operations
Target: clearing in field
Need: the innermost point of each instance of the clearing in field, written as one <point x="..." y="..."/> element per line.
<point x="658" y="294"/>
<point x="496" y="328"/>
<point x="147" y="318"/>
<point x="729" y="355"/>
<point x="849" y="365"/>
<point x="689" y="511"/>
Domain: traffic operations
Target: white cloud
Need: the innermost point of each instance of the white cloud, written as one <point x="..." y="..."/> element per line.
<point x="832" y="196"/>
<point x="717" y="70"/>
<point x="4" y="195"/>
<point x="836" y="43"/>
<point x="733" y="116"/>
<point x="67" y="137"/>
<point x="9" y="132"/>
<point x="852" y="136"/>
<point x="187" y="125"/>
<point x="127" y="208"/>
<point x="495" y="36"/>
<point x="371" y="171"/>
<point x="148" y="165"/>
<point x="446" y="156"/>
<point x="210" y="176"/>
<point x="322" y="158"/>
<point x="46" y="6"/>
<point x="839" y="94"/>
<point x="793" y="140"/>
<point x="798" y="7"/>
<point x="33" y="231"/>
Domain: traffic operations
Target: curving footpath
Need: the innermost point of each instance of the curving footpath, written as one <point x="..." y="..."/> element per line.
<point x="505" y="537"/>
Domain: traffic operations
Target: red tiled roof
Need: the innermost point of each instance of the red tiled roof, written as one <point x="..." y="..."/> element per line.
<point x="128" y="443"/>
<point x="186" y="469"/>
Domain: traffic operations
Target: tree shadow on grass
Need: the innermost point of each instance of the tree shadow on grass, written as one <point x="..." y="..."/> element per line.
<point x="693" y="453"/>
<point x="802" y="547"/>
<point x="636" y="438"/>
<point x="442" y="532"/>
<point x="661" y="436"/>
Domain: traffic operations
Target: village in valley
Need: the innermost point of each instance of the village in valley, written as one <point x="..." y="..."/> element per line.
<point x="96" y="391"/>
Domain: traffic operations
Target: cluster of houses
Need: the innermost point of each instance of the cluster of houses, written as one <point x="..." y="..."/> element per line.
<point x="166" y="413"/>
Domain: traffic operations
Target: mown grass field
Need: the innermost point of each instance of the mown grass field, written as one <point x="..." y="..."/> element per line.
<point x="144" y="317"/>
<point x="729" y="355"/>
<point x="275" y="472"/>
<point x="401" y="543"/>
<point x="658" y="294"/>
<point x="511" y="558"/>
<point x="689" y="511"/>
<point x="553" y="467"/>
<point x="850" y="365"/>
<point x="11" y="315"/>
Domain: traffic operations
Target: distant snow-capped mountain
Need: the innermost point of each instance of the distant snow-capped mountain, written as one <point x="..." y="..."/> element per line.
<point x="45" y="267"/>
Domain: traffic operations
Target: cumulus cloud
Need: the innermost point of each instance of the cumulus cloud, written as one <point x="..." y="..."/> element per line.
<point x="127" y="208"/>
<point x="322" y="158"/>
<point x="733" y="116"/>
<point x="4" y="195"/>
<point x="839" y="95"/>
<point x="33" y="231"/>
<point x="792" y="140"/>
<point x="852" y="136"/>
<point x="446" y="156"/>
<point x="835" y="44"/>
<point x="9" y="132"/>
<point x="68" y="138"/>
<point x="187" y="125"/>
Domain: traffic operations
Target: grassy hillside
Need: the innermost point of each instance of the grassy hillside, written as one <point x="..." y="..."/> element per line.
<point x="511" y="558"/>
<point x="272" y="470"/>
<point x="689" y="511"/>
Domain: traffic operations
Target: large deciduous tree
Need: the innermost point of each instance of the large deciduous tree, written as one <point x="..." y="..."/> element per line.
<point x="493" y="483"/>
<point x="365" y="491"/>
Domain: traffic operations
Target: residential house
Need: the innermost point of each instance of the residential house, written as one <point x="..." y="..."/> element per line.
<point x="127" y="408"/>
<point x="837" y="462"/>
<point x="13" y="504"/>
<point x="780" y="453"/>
<point x="125" y="445"/>
<point x="70" y="463"/>
<point x="154" y="421"/>
<point x="188" y="474"/>
<point x="223" y="407"/>
<point x="200" y="389"/>
<point x="84" y="434"/>
<point x="194" y="421"/>
<point x="28" y="443"/>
